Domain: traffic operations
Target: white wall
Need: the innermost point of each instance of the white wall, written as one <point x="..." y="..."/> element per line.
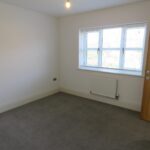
<point x="76" y="81"/>
<point x="28" y="56"/>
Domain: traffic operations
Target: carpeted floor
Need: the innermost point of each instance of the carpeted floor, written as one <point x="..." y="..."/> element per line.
<point x="66" y="122"/>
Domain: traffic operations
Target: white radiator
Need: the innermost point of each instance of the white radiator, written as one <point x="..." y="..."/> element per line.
<point x="105" y="87"/>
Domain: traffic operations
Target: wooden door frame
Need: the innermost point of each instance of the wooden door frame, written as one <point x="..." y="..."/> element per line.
<point x="146" y="103"/>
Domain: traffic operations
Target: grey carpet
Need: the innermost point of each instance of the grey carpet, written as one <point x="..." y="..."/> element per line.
<point x="66" y="122"/>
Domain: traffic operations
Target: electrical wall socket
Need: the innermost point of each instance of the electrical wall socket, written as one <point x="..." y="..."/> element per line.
<point x="55" y="79"/>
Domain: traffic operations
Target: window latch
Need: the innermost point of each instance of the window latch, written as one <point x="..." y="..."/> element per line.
<point x="123" y="50"/>
<point x="98" y="50"/>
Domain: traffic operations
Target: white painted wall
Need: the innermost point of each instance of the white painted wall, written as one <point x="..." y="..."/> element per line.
<point x="76" y="81"/>
<point x="28" y="56"/>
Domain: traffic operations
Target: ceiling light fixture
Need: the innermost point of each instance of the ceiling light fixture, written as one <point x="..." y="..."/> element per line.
<point x="68" y="4"/>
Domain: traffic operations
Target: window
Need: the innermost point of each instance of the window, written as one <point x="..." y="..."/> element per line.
<point x="120" y="48"/>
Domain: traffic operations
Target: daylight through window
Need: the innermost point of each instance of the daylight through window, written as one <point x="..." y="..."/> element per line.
<point x="113" y="48"/>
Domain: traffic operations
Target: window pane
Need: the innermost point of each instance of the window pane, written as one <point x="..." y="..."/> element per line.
<point x="112" y="38"/>
<point x="133" y="60"/>
<point x="93" y="39"/>
<point x="135" y="37"/>
<point x="110" y="58"/>
<point x="92" y="58"/>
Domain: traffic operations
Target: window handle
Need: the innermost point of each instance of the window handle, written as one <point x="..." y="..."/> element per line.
<point x="123" y="50"/>
<point x="98" y="50"/>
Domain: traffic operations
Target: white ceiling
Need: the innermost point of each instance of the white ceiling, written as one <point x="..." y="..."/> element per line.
<point x="56" y="7"/>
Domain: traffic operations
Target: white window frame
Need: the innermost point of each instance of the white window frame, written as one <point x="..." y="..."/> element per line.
<point x="136" y="49"/>
<point x="105" y="49"/>
<point x="83" y="63"/>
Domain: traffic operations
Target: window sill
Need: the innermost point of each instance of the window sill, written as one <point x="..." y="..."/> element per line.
<point x="112" y="71"/>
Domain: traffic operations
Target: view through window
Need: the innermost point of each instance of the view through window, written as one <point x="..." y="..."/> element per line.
<point x="114" y="48"/>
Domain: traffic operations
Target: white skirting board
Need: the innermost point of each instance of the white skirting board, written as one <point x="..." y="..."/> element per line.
<point x="73" y="92"/>
<point x="121" y="104"/>
<point x="26" y="101"/>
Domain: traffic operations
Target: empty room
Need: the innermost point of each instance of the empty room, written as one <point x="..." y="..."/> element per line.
<point x="74" y="75"/>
